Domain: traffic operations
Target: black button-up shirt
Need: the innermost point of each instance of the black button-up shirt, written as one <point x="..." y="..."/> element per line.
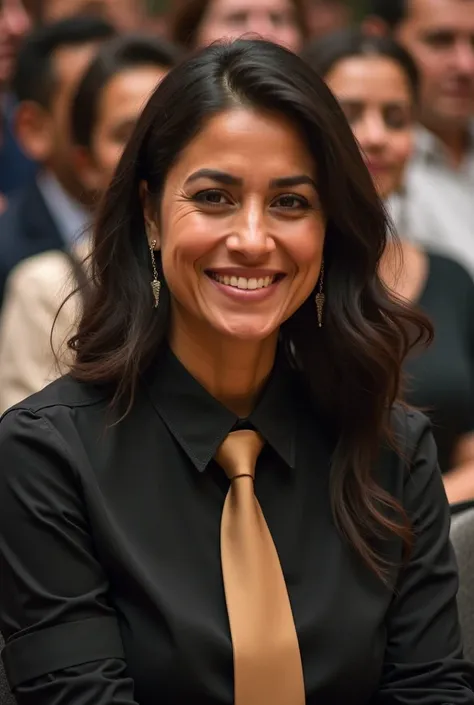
<point x="111" y="590"/>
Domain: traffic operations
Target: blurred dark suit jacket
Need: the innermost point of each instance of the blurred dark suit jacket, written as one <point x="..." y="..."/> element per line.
<point x="16" y="169"/>
<point x="26" y="229"/>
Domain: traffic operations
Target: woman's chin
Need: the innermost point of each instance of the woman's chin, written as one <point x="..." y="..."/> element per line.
<point x="247" y="331"/>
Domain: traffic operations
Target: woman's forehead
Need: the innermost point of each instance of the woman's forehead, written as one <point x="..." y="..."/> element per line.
<point x="249" y="144"/>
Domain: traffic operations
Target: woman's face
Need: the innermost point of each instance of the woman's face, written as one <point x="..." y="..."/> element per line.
<point x="241" y="230"/>
<point x="120" y="105"/>
<point x="375" y="95"/>
<point x="274" y="20"/>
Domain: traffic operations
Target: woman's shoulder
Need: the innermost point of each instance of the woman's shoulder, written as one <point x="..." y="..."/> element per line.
<point x="49" y="444"/>
<point x="64" y="398"/>
<point x="408" y="426"/>
<point x="413" y="462"/>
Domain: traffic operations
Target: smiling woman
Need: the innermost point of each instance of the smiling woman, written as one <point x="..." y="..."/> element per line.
<point x="214" y="226"/>
<point x="226" y="486"/>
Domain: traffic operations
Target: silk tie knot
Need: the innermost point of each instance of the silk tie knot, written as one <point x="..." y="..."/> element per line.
<point x="238" y="454"/>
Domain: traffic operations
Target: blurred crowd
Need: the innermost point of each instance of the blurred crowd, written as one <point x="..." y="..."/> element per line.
<point x="74" y="76"/>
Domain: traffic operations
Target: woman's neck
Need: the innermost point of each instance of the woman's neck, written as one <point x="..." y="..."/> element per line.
<point x="233" y="371"/>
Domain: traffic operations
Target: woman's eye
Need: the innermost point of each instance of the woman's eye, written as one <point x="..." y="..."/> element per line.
<point x="352" y="111"/>
<point x="237" y="19"/>
<point x="290" y="202"/>
<point x="396" y="119"/>
<point x="212" y="197"/>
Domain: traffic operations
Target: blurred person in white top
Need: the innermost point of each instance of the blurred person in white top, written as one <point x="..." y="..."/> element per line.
<point x="437" y="203"/>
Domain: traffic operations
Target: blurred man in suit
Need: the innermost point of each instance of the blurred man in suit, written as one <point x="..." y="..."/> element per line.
<point x="438" y="209"/>
<point x="53" y="211"/>
<point x="14" y="167"/>
<point x="14" y="23"/>
<point x="125" y="15"/>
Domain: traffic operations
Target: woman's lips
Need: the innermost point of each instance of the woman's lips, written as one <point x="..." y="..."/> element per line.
<point x="245" y="289"/>
<point x="377" y="167"/>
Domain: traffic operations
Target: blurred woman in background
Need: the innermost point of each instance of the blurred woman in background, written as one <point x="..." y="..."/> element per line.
<point x="108" y="102"/>
<point x="376" y="83"/>
<point x="196" y="23"/>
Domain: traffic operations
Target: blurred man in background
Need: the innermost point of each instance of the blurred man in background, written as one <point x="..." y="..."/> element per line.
<point x="125" y="15"/>
<point x="439" y="204"/>
<point x="53" y="211"/>
<point x="14" y="23"/>
<point x="326" y="16"/>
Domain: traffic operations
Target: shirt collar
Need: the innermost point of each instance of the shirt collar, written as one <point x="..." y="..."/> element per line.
<point x="430" y="148"/>
<point x="200" y="423"/>
<point x="70" y="217"/>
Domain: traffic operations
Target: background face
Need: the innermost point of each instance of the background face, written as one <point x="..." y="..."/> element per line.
<point x="14" y="23"/>
<point x="126" y="15"/>
<point x="269" y="19"/>
<point x="376" y="98"/>
<point x="241" y="229"/>
<point x="325" y="16"/>
<point x="69" y="64"/>
<point x="440" y="35"/>
<point x="120" y="105"/>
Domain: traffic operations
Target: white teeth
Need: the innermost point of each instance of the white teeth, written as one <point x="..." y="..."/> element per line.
<point x="243" y="282"/>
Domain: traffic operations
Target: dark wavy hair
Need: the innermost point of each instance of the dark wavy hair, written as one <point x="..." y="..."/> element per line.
<point x="186" y="17"/>
<point x="352" y="364"/>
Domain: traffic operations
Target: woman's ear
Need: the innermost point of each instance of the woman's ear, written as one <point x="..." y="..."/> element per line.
<point x="34" y="130"/>
<point x="149" y="216"/>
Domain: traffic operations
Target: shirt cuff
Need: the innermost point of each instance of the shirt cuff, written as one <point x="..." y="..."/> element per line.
<point x="71" y="644"/>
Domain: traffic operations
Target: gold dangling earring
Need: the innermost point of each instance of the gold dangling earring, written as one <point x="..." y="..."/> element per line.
<point x="320" y="296"/>
<point x="155" y="284"/>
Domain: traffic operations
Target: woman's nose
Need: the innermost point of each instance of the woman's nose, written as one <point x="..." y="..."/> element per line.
<point x="372" y="131"/>
<point x="250" y="234"/>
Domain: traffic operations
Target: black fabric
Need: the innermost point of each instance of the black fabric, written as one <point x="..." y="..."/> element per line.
<point x="26" y="229"/>
<point x="122" y="523"/>
<point x="29" y="656"/>
<point x="441" y="379"/>
<point x="6" y="697"/>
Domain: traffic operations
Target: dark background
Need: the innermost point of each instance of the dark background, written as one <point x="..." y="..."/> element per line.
<point x="159" y="6"/>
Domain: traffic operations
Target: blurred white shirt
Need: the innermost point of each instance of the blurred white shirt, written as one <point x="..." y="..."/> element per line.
<point x="436" y="208"/>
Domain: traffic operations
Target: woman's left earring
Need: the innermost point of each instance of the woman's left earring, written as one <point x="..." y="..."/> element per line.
<point x="320" y="296"/>
<point x="155" y="284"/>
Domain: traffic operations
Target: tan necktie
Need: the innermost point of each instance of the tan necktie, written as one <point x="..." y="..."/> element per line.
<point x="267" y="659"/>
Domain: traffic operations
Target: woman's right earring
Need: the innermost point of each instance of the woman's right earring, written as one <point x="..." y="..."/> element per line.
<point x="155" y="284"/>
<point x="320" y="297"/>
